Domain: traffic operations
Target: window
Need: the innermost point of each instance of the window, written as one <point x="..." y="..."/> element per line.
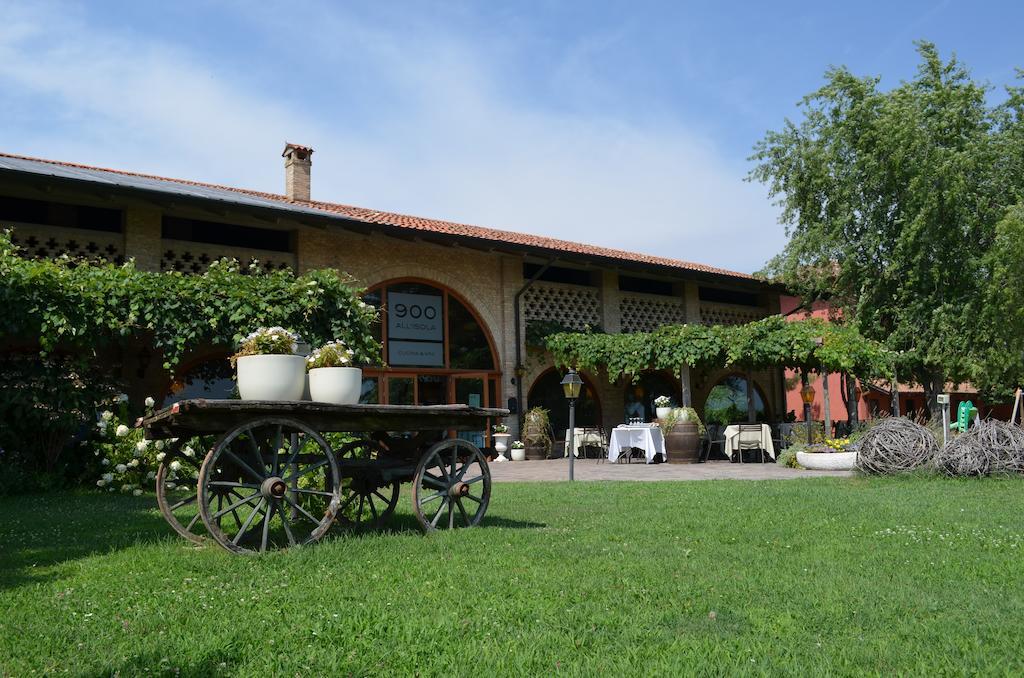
<point x="216" y="233"/>
<point x="639" y="397"/>
<point x="645" y="286"/>
<point x="727" y="402"/>
<point x="720" y="296"/>
<point x="559" y="274"/>
<point x="60" y="214"/>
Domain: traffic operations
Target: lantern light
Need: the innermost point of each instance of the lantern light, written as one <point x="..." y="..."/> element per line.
<point x="807" y="394"/>
<point x="572" y="385"/>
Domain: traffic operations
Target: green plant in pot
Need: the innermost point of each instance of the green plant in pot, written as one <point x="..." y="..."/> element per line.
<point x="536" y="433"/>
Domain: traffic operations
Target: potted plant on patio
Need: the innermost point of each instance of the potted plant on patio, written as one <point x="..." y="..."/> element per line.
<point x="332" y="379"/>
<point x="833" y="455"/>
<point x="536" y="433"/>
<point x="518" y="450"/>
<point x="267" y="368"/>
<point x="662" y="407"/>
<point x="501" y="438"/>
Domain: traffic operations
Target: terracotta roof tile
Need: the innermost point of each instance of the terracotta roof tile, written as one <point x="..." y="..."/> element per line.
<point x="424" y="225"/>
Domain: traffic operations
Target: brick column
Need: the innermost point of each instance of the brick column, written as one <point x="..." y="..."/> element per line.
<point x="611" y="307"/>
<point x="142" y="238"/>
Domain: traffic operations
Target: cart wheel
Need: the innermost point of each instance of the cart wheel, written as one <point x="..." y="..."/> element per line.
<point x="261" y="486"/>
<point x="368" y="499"/>
<point x="176" y="489"/>
<point x="452" y="486"/>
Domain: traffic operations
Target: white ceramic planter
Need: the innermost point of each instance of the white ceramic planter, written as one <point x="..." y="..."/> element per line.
<point x="501" y="442"/>
<point x="827" y="461"/>
<point x="518" y="454"/>
<point x="662" y="412"/>
<point x="336" y="385"/>
<point x="271" y="377"/>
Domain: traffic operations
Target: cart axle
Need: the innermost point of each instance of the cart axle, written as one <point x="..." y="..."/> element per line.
<point x="273" y="488"/>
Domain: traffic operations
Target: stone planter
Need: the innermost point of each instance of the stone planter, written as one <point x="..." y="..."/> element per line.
<point x="683" y="444"/>
<point x="827" y="461"/>
<point x="662" y="412"/>
<point x="518" y="454"/>
<point x="501" y="442"/>
<point x="336" y="385"/>
<point x="271" y="377"/>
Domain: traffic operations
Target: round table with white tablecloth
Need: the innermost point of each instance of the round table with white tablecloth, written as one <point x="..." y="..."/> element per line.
<point x="647" y="437"/>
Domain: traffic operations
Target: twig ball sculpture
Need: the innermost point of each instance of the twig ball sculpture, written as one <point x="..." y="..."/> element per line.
<point x="989" y="447"/>
<point x="895" y="445"/>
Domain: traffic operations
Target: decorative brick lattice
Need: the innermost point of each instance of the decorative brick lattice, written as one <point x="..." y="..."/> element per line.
<point x="646" y="313"/>
<point x="571" y="306"/>
<point x="725" y="314"/>
<point x="50" y="242"/>
<point x="195" y="257"/>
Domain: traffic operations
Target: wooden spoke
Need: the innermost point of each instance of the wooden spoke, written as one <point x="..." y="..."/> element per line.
<point x="453" y="458"/>
<point x="178" y="504"/>
<point x="371" y="498"/>
<point x="282" y="509"/>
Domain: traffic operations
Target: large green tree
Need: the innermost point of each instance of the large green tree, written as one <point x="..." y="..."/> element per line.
<point x="892" y="200"/>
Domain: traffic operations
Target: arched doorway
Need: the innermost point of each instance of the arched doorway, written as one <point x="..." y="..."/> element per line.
<point x="436" y="350"/>
<point x="727" y="402"/>
<point x="638" y="397"/>
<point x="547" y="392"/>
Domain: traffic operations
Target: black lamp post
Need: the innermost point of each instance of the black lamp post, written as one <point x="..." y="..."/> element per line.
<point x="572" y="384"/>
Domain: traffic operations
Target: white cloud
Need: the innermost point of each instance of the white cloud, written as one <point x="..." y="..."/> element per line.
<point x="452" y="138"/>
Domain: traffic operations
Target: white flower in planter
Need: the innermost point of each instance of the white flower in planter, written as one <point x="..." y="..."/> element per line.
<point x="150" y="402"/>
<point x="121" y="431"/>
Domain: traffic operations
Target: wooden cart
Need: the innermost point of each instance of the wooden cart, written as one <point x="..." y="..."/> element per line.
<point x="265" y="476"/>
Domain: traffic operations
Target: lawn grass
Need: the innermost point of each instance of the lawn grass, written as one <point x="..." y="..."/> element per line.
<point x="815" y="576"/>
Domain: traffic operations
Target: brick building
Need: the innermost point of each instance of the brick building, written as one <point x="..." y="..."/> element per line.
<point x="468" y="296"/>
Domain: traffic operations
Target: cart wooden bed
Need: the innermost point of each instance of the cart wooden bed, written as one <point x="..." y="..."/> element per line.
<point x="265" y="476"/>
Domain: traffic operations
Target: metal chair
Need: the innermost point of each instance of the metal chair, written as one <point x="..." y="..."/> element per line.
<point x="715" y="436"/>
<point x="750" y="437"/>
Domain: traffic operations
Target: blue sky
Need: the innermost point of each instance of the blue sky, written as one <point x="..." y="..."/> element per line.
<point x="626" y="124"/>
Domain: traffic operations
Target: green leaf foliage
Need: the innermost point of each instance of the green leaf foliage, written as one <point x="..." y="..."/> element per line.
<point x="811" y="344"/>
<point x="892" y="200"/>
<point x="85" y="307"/>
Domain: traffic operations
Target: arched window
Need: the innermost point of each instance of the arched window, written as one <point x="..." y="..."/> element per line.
<point x="727" y="402"/>
<point x="547" y="392"/>
<point x="638" y="397"/>
<point x="436" y="350"/>
<point x="209" y="377"/>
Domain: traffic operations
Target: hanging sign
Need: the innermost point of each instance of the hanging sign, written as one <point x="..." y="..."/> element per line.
<point x="416" y="353"/>
<point x="415" y="316"/>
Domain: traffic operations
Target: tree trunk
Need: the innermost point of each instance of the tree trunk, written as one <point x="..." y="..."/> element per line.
<point x="852" y="414"/>
<point x="933" y="386"/>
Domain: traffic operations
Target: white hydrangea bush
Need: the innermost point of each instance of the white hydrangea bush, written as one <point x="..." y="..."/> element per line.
<point x="128" y="461"/>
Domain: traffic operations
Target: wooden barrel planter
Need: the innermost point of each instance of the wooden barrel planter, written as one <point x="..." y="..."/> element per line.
<point x="536" y="452"/>
<point x="683" y="444"/>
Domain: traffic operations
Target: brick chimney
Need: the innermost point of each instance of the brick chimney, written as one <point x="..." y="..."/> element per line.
<point x="297" y="161"/>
